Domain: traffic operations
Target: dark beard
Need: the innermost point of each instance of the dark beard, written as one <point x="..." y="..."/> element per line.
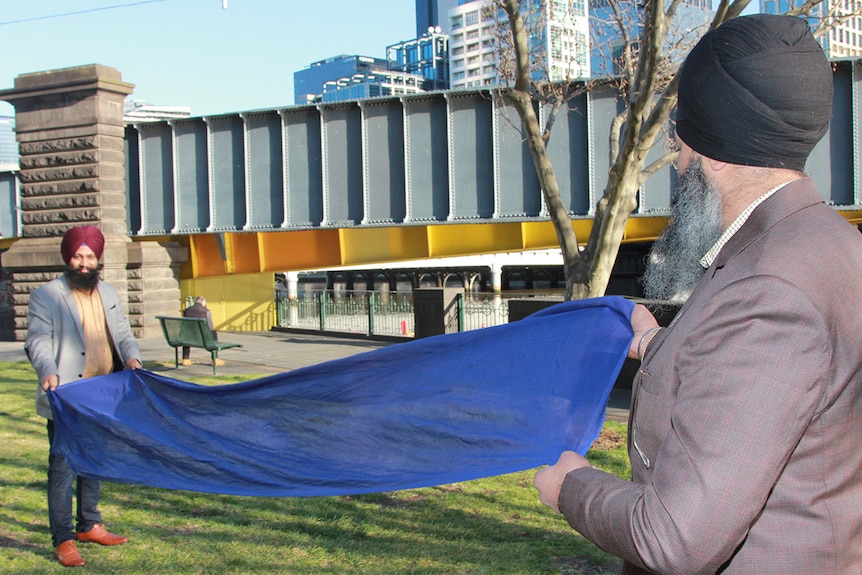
<point x="674" y="269"/>
<point x="82" y="281"/>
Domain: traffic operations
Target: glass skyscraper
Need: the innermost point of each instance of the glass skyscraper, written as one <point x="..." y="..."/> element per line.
<point x="426" y="56"/>
<point x="433" y="14"/>
<point x="308" y="83"/>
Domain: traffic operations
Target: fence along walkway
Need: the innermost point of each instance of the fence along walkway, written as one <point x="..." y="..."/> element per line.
<point x="383" y="313"/>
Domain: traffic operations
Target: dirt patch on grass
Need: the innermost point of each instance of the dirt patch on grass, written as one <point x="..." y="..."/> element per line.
<point x="608" y="439"/>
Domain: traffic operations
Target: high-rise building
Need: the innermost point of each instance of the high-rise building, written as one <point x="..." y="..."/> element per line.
<point x="426" y="56"/>
<point x="308" y="83"/>
<point x="607" y="42"/>
<point x="557" y="29"/>
<point x="433" y="14"/>
<point x="842" y="17"/>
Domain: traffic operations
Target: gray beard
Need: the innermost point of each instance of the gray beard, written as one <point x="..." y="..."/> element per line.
<point x="673" y="268"/>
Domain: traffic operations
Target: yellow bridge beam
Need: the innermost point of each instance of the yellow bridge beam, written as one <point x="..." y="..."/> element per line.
<point x="212" y="255"/>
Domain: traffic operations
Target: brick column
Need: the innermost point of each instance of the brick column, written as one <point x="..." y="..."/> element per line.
<point x="71" y="132"/>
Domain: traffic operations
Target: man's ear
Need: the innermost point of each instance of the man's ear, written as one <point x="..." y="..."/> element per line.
<point x="714" y="165"/>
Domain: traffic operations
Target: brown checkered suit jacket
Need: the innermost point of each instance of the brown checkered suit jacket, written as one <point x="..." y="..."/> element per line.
<point x="746" y="428"/>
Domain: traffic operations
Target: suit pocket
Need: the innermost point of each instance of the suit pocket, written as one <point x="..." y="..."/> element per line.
<point x="648" y="380"/>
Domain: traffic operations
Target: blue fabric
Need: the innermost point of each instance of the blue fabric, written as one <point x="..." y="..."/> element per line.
<point x="438" y="410"/>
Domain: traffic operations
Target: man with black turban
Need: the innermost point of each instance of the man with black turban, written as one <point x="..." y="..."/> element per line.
<point x="746" y="417"/>
<point x="76" y="329"/>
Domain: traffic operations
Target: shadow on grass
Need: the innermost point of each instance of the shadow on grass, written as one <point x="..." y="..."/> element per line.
<point x="493" y="525"/>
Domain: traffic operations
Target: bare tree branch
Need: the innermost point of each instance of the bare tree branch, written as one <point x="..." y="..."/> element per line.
<point x="657" y="165"/>
<point x="646" y="45"/>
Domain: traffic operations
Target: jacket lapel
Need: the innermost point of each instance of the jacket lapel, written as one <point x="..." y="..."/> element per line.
<point x="71" y="305"/>
<point x="795" y="196"/>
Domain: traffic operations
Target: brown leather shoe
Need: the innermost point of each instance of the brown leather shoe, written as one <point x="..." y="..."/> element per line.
<point x="98" y="534"/>
<point x="67" y="554"/>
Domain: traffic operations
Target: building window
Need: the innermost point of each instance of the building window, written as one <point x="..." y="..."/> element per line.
<point x="471" y="18"/>
<point x="558" y="8"/>
<point x="556" y="43"/>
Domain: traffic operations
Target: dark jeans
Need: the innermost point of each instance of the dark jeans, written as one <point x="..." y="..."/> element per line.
<point x="60" y="477"/>
<point x="187" y="350"/>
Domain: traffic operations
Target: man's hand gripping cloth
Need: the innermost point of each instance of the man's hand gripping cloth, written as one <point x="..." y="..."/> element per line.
<point x="438" y="410"/>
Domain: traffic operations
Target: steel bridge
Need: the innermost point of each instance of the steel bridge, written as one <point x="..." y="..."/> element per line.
<point x="398" y="178"/>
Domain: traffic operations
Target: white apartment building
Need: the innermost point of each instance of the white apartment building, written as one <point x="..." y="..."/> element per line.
<point x="843" y="18"/>
<point x="8" y="145"/>
<point x="559" y="31"/>
<point x="844" y="39"/>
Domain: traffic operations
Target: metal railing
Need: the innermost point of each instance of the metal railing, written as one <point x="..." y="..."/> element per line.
<point x="477" y="310"/>
<point x="383" y="313"/>
<point x="371" y="313"/>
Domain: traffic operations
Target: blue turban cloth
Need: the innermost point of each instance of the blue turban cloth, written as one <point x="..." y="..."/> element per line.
<point x="432" y="411"/>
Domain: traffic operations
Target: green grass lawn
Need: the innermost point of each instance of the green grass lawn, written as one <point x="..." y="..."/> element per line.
<point x="492" y="525"/>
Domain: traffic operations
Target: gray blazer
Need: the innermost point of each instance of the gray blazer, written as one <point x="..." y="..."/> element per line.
<point x="745" y="434"/>
<point x="55" y="337"/>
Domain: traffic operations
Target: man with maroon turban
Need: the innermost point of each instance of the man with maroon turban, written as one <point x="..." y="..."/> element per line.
<point x="746" y="416"/>
<point x="76" y="329"/>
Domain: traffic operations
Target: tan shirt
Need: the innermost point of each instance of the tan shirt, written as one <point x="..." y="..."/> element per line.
<point x="99" y="359"/>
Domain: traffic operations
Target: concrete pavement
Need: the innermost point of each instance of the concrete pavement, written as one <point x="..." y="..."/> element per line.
<point x="262" y="353"/>
<point x="266" y="353"/>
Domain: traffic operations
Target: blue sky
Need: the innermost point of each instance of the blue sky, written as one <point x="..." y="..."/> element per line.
<point x="193" y="52"/>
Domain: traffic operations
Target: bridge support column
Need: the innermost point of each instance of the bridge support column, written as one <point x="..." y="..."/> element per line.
<point x="70" y="131"/>
<point x="291" y="280"/>
<point x="496" y="276"/>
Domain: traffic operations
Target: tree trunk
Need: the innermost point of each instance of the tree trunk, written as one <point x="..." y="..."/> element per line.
<point x="588" y="268"/>
<point x="522" y="99"/>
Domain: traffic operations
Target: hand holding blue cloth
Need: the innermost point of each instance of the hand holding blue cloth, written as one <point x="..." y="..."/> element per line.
<point x="438" y="410"/>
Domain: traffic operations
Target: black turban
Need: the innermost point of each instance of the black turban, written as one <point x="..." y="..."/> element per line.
<point x="756" y="91"/>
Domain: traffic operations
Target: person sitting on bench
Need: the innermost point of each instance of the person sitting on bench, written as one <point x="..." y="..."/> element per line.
<point x="200" y="309"/>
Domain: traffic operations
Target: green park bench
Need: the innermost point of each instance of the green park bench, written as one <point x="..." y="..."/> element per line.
<point x="191" y="332"/>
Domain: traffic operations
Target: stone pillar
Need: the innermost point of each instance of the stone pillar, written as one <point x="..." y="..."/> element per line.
<point x="153" y="284"/>
<point x="71" y="136"/>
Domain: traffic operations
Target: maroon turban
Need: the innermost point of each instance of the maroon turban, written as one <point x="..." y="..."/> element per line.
<point x="74" y="238"/>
